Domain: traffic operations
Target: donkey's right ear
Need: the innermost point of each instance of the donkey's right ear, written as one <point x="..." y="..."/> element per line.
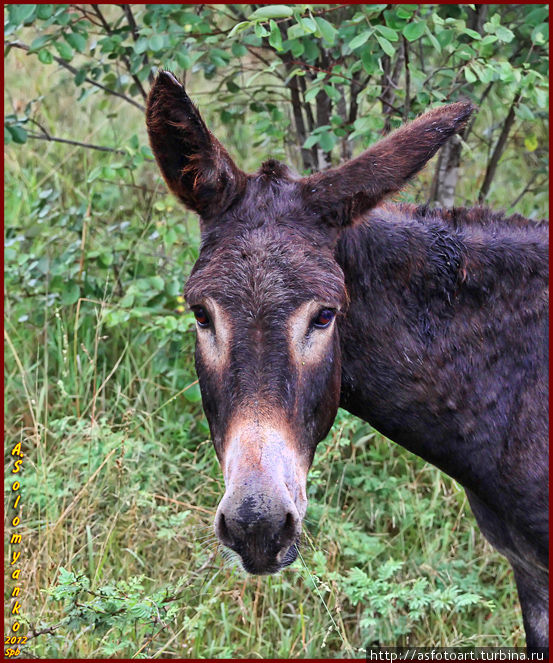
<point x="196" y="167"/>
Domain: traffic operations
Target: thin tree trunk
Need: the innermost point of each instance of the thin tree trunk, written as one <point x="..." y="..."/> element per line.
<point x="407" y="80"/>
<point x="301" y="133"/>
<point x="447" y="168"/>
<point x="323" y="110"/>
<point x="448" y="173"/>
<point x="389" y="83"/>
<point x="308" y="114"/>
<point x="498" y="150"/>
<point x="341" y="107"/>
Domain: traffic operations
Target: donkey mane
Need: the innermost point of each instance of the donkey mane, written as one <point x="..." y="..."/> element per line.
<point x="461" y="217"/>
<point x="496" y="247"/>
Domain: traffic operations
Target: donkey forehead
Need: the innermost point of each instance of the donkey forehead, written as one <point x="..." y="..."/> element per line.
<point x="267" y="266"/>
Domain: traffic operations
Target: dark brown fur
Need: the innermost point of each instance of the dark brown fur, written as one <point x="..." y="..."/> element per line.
<point x="440" y="341"/>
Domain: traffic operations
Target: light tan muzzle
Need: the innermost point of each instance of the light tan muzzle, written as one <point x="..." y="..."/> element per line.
<point x="261" y="511"/>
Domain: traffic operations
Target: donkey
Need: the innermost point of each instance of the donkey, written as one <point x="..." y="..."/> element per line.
<point x="312" y="293"/>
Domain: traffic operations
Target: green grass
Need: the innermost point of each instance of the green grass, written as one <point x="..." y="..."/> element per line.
<point x="121" y="483"/>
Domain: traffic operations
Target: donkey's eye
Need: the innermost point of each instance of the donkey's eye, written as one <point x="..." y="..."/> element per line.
<point x="201" y="316"/>
<point x="324" y="317"/>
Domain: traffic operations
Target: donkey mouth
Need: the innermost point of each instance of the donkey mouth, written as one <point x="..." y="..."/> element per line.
<point x="262" y="566"/>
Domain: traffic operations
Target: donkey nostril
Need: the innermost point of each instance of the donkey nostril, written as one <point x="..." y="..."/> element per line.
<point x="289" y="528"/>
<point x="224" y="533"/>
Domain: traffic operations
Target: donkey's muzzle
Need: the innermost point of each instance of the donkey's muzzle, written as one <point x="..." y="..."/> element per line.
<point x="262" y="528"/>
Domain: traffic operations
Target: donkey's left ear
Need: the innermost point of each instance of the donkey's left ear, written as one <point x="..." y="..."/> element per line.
<point x="342" y="194"/>
<point x="196" y="167"/>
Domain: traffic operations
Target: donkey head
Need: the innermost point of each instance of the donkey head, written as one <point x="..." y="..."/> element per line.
<point x="267" y="294"/>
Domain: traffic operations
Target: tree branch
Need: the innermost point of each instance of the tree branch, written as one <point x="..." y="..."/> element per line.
<point x="406" y="106"/>
<point x="527" y="188"/>
<point x="74" y="71"/>
<point x="354" y="94"/>
<point x="308" y="114"/>
<point x="295" y="100"/>
<point x="89" y="146"/>
<point x="124" y="58"/>
<point x="130" y="20"/>
<point x="389" y="83"/>
<point x="498" y="150"/>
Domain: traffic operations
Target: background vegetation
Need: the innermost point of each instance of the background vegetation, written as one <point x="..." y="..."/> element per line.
<point x="120" y="482"/>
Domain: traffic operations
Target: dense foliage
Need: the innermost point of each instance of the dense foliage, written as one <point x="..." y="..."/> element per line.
<point x="121" y="484"/>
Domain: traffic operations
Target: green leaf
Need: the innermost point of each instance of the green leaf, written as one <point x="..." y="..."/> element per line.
<point x="524" y="113"/>
<point x="156" y="43"/>
<point x="504" y="34"/>
<point x="406" y="11"/>
<point x="472" y="33"/>
<point x="485" y="74"/>
<point x="77" y="41"/>
<point x="80" y="77"/>
<point x="128" y="300"/>
<point x="413" y="31"/>
<point x="488" y="39"/>
<point x="105" y="258"/>
<point x="465" y="52"/>
<point x="327" y="141"/>
<point x="18" y="134"/>
<point x="66" y="577"/>
<point x="360" y="39"/>
<point x="308" y="25"/>
<point x="388" y="33"/>
<point x="232" y="87"/>
<point x="369" y="61"/>
<point x="239" y="27"/>
<point x="373" y="9"/>
<point x="183" y="59"/>
<point x="531" y="143"/>
<point x="333" y="93"/>
<point x="219" y="57"/>
<point x="536" y="16"/>
<point x="272" y="11"/>
<point x="238" y="49"/>
<point x="38" y="43"/>
<point x="386" y="46"/>
<point x="45" y="56"/>
<point x="94" y="174"/>
<point x="312" y="92"/>
<point x="542" y="97"/>
<point x="275" y="37"/>
<point x="296" y="46"/>
<point x="18" y="14"/>
<point x="70" y="294"/>
<point x="433" y="39"/>
<point x="362" y="124"/>
<point x="295" y="31"/>
<point x="157" y="283"/>
<point x="141" y="45"/>
<point x="260" y="30"/>
<point x="44" y="12"/>
<point x="540" y="34"/>
<point x="327" y="30"/>
<point x="469" y="75"/>
<point x="65" y="51"/>
<point x="445" y="37"/>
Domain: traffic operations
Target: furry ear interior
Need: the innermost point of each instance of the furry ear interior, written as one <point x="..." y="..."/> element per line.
<point x="196" y="167"/>
<point x="342" y="194"/>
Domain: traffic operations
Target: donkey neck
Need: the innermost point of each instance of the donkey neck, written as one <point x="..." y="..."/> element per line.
<point x="434" y="336"/>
